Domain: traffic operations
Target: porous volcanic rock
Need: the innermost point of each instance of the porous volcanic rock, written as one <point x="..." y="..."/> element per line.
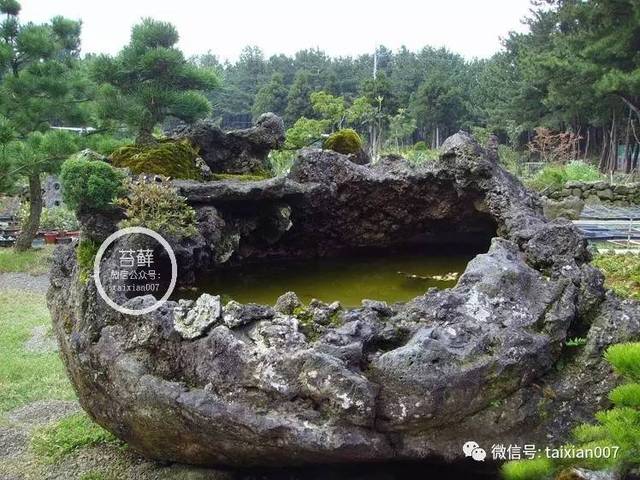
<point x="485" y="360"/>
<point x="236" y="151"/>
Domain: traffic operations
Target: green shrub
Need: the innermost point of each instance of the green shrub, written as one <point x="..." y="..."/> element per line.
<point x="627" y="395"/>
<point x="621" y="273"/>
<point x="578" y="170"/>
<point x="625" y="359"/>
<point x="69" y="434"/>
<point x="420" y="146"/>
<point x="535" y="469"/>
<point x="617" y="429"/>
<point x="175" y="159"/>
<point x="90" y="184"/>
<point x="345" y="141"/>
<point x="158" y="207"/>
<point x="554" y="176"/>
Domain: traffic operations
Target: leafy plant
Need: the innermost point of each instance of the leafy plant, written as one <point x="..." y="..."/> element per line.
<point x="90" y="184"/>
<point x="158" y="207"/>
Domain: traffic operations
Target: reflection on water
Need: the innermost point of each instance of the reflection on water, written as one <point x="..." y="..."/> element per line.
<point x="395" y="278"/>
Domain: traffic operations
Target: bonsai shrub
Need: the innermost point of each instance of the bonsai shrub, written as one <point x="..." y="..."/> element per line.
<point x="345" y="141"/>
<point x="90" y="184"/>
<point x="175" y="159"/>
<point x="158" y="207"/>
<point x="617" y="429"/>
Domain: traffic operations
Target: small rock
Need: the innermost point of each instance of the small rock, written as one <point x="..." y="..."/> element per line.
<point x="191" y="321"/>
<point x="287" y="303"/>
<point x="381" y="307"/>
<point x="236" y="314"/>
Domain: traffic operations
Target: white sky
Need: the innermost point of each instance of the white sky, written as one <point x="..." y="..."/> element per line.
<point x="339" y="27"/>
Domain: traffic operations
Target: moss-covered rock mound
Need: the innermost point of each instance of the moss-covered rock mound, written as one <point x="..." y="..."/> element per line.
<point x="345" y="141"/>
<point x="171" y="158"/>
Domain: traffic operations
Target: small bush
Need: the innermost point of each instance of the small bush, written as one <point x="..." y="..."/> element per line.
<point x="158" y="207"/>
<point x="420" y="146"/>
<point x="578" y="170"/>
<point x="345" y="141"/>
<point x="536" y="469"/>
<point x="90" y="184"/>
<point x="175" y="159"/>
<point x="625" y="359"/>
<point x="554" y="176"/>
<point x="69" y="434"/>
<point x="627" y="395"/>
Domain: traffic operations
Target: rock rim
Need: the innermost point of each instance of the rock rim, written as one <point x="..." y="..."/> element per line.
<point x="253" y="385"/>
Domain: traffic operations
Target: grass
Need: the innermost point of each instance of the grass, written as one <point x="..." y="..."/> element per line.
<point x="535" y="469"/>
<point x="26" y="377"/>
<point x="622" y="273"/>
<point x="34" y="261"/>
<point x="54" y="441"/>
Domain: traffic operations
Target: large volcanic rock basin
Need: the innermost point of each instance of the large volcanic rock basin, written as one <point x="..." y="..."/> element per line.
<point x="250" y="386"/>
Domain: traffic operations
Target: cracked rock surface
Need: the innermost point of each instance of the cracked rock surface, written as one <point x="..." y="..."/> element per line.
<point x="254" y="385"/>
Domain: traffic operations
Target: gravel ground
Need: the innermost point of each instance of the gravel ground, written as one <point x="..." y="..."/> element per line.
<point x="25" y="282"/>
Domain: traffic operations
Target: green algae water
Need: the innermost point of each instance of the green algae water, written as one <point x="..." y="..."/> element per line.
<point x="395" y="278"/>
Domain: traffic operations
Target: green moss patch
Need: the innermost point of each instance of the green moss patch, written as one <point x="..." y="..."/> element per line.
<point x="345" y="141"/>
<point x="171" y="158"/>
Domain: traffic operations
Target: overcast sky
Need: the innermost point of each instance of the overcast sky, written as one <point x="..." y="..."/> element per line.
<point x="339" y="27"/>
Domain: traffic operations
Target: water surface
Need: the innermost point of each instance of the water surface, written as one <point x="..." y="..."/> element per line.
<point x="395" y="278"/>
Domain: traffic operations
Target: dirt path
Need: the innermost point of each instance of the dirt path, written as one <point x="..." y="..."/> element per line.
<point x="24" y="282"/>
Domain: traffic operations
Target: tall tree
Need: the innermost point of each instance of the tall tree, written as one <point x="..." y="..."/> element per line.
<point x="272" y="97"/>
<point x="298" y="103"/>
<point x="41" y="85"/>
<point x="150" y="80"/>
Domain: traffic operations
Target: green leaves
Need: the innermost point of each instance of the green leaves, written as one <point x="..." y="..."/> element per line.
<point x="150" y="80"/>
<point x="10" y="7"/>
<point x="89" y="184"/>
<point x="625" y="359"/>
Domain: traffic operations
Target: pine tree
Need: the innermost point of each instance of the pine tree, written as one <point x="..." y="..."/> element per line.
<point x="150" y="80"/>
<point x="41" y="85"/>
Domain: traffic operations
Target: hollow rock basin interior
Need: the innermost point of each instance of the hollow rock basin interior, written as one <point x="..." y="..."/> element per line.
<point x="395" y="277"/>
<point x="248" y="384"/>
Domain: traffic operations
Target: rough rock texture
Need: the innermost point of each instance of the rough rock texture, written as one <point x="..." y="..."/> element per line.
<point x="236" y="151"/>
<point x="485" y="360"/>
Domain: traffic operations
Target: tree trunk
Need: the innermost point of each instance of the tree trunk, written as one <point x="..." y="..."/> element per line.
<point x="30" y="230"/>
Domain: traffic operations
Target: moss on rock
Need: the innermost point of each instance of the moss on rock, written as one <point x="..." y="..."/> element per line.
<point x="171" y="158"/>
<point x="345" y="141"/>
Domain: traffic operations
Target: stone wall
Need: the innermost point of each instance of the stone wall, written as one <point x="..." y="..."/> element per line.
<point x="599" y="192"/>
